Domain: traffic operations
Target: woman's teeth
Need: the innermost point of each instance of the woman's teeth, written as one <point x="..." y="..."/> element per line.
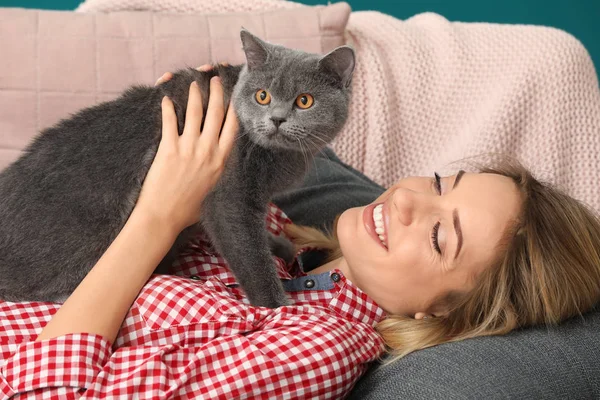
<point x="379" y="225"/>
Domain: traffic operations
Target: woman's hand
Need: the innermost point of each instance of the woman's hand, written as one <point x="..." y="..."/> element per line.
<point x="204" y="68"/>
<point x="187" y="167"/>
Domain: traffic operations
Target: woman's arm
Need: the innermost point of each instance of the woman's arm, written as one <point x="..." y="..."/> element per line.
<point x="102" y="299"/>
<point x="184" y="170"/>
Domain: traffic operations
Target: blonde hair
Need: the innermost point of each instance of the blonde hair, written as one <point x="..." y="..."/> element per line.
<point x="547" y="270"/>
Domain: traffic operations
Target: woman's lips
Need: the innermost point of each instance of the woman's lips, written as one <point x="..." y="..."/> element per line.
<point x="370" y="225"/>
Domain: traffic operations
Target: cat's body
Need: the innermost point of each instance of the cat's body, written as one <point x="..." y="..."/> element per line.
<point x="65" y="200"/>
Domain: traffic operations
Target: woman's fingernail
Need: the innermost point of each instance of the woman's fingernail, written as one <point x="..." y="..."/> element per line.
<point x="216" y="78"/>
<point x="194" y="84"/>
<point x="205" y="67"/>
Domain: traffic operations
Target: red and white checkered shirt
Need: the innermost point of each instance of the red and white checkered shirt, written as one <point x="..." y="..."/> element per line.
<point x="194" y="335"/>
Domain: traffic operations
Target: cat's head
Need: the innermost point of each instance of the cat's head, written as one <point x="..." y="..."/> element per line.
<point x="290" y="99"/>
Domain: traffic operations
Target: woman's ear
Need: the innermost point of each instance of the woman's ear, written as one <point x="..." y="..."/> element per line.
<point x="422" y="315"/>
<point x="442" y="305"/>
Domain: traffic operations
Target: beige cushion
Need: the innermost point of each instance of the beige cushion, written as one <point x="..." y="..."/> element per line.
<point x="55" y="63"/>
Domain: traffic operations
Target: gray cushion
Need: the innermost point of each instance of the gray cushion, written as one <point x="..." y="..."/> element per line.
<point x="542" y="363"/>
<point x="556" y="363"/>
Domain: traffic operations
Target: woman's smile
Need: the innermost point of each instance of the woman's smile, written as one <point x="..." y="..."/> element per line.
<point x="376" y="222"/>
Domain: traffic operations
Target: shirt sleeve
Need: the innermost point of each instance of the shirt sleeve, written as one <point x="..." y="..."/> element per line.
<point x="69" y="361"/>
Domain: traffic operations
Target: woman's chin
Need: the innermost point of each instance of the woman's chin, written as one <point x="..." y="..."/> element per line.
<point x="348" y="229"/>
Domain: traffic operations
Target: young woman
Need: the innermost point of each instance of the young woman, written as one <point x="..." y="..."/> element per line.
<point x="431" y="260"/>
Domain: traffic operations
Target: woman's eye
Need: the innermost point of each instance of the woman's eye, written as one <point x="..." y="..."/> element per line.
<point x="437" y="183"/>
<point x="435" y="238"/>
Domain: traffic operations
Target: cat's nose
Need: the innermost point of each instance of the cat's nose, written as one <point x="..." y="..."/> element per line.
<point x="277" y="120"/>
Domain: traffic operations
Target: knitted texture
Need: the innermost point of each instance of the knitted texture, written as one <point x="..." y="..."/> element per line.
<point x="428" y="92"/>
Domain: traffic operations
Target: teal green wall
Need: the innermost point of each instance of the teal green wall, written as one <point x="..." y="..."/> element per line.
<point x="581" y="18"/>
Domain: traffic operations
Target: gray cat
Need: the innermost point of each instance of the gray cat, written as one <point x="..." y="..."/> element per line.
<point x="69" y="195"/>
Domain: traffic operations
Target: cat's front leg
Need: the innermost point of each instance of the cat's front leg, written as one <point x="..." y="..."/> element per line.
<point x="240" y="236"/>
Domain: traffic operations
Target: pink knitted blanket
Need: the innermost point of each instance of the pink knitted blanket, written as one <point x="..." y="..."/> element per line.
<point x="428" y="92"/>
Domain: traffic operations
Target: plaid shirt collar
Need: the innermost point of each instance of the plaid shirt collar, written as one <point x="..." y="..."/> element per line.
<point x="352" y="303"/>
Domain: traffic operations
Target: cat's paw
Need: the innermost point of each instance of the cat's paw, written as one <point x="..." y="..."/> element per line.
<point x="281" y="247"/>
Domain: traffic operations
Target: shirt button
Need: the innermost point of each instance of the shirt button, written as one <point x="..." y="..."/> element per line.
<point x="195" y="277"/>
<point x="309" y="284"/>
<point x="335" y="277"/>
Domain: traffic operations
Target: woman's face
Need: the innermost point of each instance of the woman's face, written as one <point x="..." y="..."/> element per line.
<point x="438" y="234"/>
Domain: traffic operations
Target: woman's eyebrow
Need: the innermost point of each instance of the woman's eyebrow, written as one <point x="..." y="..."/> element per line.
<point x="458" y="177"/>
<point x="456" y="219"/>
<point x="458" y="231"/>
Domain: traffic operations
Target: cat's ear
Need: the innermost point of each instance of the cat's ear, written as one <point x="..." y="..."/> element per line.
<point x="255" y="49"/>
<point x="339" y="63"/>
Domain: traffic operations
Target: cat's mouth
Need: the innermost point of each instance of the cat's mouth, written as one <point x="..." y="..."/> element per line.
<point x="279" y="138"/>
<point x="282" y="140"/>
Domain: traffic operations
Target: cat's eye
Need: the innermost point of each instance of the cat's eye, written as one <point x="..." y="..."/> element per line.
<point x="263" y="97"/>
<point x="305" y="101"/>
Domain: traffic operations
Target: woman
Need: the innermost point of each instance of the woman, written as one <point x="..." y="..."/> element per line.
<point x="432" y="260"/>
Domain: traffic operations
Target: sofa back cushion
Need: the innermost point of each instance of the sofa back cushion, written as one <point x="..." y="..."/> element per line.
<point x="55" y="62"/>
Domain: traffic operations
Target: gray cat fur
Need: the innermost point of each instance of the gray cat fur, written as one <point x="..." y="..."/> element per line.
<point x="67" y="197"/>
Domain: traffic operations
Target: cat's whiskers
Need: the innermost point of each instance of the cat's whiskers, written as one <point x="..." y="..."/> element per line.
<point x="299" y="133"/>
<point x="248" y="143"/>
<point x="250" y="146"/>
<point x="320" y="149"/>
<point x="303" y="154"/>
<point x="315" y="135"/>
<point x="312" y="144"/>
<point x="296" y="132"/>
<point x="314" y="161"/>
<point x="238" y="137"/>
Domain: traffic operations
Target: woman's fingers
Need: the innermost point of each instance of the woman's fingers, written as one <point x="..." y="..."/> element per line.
<point x="215" y="112"/>
<point x="205" y="68"/>
<point x="165" y="77"/>
<point x="170" y="133"/>
<point x="193" y="113"/>
<point x="209" y="67"/>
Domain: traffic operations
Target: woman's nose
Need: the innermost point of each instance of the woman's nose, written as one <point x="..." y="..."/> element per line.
<point x="406" y="202"/>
